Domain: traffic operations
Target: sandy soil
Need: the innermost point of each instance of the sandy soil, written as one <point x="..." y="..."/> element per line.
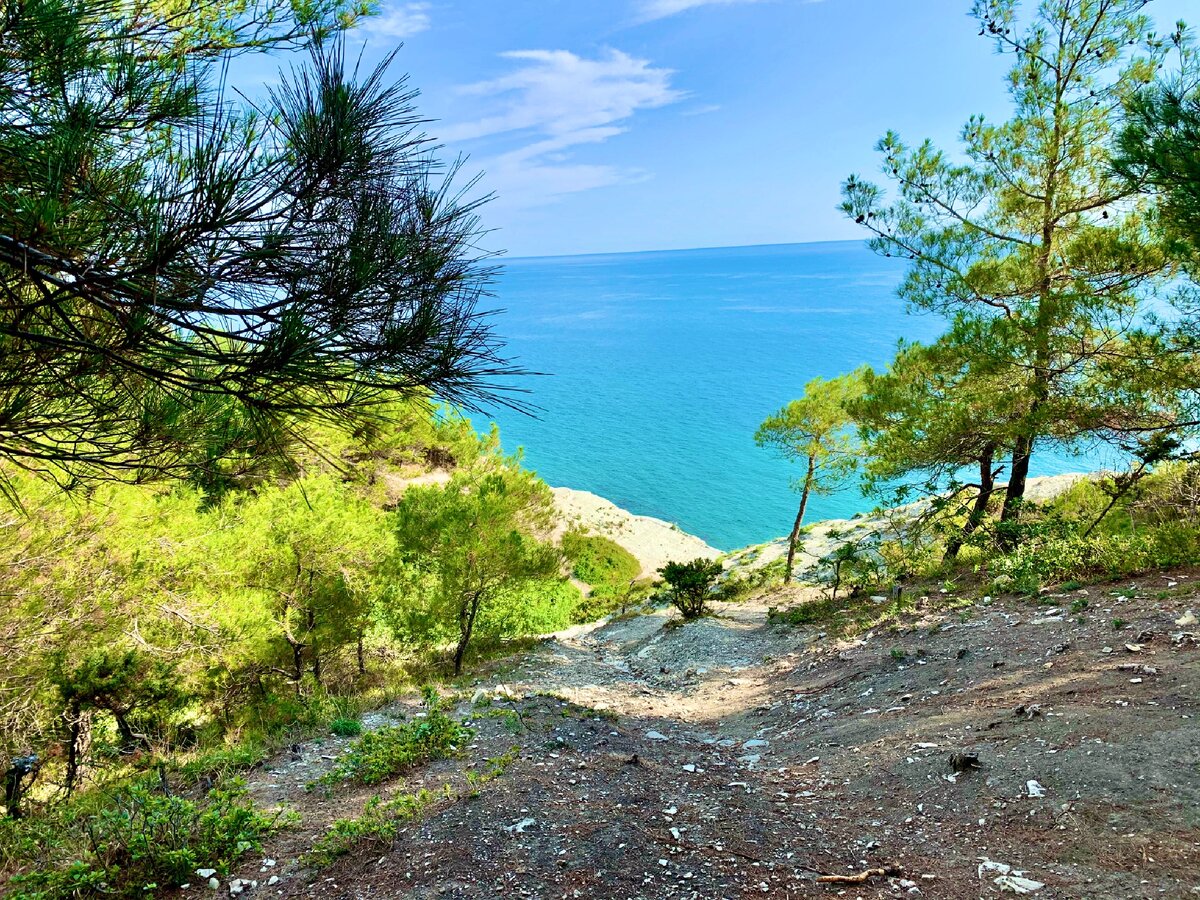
<point x="652" y="541"/>
<point x="734" y="758"/>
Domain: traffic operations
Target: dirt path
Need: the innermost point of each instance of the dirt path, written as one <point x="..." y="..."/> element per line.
<point x="733" y="758"/>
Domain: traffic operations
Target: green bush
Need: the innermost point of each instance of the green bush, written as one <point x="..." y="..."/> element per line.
<point x="608" y="569"/>
<point x="379" y="755"/>
<point x="142" y="841"/>
<point x="1058" y="553"/>
<point x="379" y="824"/>
<point x="344" y="727"/>
<point x="690" y="584"/>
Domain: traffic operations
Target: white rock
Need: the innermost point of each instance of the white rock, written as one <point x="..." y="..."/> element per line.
<point x="756" y="742"/>
<point x="689" y="768"/>
<point x="519" y="827"/>
<point x="987" y="866"/>
<point x="272" y="881"/>
<point x="1017" y="884"/>
<point x="206" y="873"/>
<point x="749" y="759"/>
<point x="213" y="884"/>
<point x="1188" y="618"/>
<point x="656" y="736"/>
<point x="1035" y="788"/>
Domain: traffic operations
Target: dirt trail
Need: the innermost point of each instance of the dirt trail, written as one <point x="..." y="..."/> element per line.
<point x="732" y="758"/>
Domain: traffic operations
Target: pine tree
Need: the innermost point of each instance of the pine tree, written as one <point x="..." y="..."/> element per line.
<point x="186" y="278"/>
<point x="1033" y="229"/>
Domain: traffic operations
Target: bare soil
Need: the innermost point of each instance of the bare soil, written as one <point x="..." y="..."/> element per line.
<point x="731" y="757"/>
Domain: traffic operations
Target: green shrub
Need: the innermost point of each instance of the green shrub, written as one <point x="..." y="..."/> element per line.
<point x="1055" y="552"/>
<point x="379" y="824"/>
<point x="344" y="727"/>
<point x="597" y="560"/>
<point x="608" y="569"/>
<point x="142" y="841"/>
<point x="690" y="584"/>
<point x="379" y="755"/>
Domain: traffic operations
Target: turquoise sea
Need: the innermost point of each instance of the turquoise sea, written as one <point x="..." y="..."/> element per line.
<point x="661" y="366"/>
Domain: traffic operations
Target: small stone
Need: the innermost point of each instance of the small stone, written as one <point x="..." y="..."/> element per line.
<point x="213" y="884"/>
<point x="519" y="827"/>
<point x="1035" y="788"/>
<point x="1188" y="618"/>
<point x="272" y="881"/>
<point x="656" y="736"/>
<point x="689" y="768"/>
<point x="756" y="742"/>
<point x="206" y="873"/>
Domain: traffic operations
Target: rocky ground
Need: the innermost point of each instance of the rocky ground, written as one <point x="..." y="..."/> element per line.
<point x="954" y="750"/>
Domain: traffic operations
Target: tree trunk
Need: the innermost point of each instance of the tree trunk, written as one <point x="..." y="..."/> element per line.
<point x="297" y="664"/>
<point x="466" y="622"/>
<point x="1014" y="494"/>
<point x="987" y="486"/>
<point x="130" y="740"/>
<point x="77" y="728"/>
<point x="791" y="554"/>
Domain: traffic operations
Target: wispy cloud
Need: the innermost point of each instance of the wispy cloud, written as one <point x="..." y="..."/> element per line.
<point x="660" y="9"/>
<point x="555" y="101"/>
<point x="397" y="21"/>
<point x="649" y="10"/>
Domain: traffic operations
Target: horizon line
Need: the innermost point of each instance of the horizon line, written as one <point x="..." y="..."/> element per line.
<point x="676" y="249"/>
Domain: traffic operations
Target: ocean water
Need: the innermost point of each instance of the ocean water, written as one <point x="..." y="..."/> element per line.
<point x="661" y="365"/>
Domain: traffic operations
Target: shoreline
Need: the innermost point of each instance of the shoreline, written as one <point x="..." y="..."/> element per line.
<point x="654" y="542"/>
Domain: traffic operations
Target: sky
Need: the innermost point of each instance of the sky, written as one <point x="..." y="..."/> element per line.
<point x="627" y="125"/>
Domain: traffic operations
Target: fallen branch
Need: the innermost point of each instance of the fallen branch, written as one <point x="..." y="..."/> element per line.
<point x="861" y="877"/>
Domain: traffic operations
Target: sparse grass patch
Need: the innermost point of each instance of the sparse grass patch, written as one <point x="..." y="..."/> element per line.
<point x="378" y="824"/>
<point x="380" y="755"/>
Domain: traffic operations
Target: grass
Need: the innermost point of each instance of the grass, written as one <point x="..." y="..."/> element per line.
<point x="379" y="824"/>
<point x="379" y="755"/>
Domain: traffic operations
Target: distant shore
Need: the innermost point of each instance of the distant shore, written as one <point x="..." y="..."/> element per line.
<point x="653" y="542"/>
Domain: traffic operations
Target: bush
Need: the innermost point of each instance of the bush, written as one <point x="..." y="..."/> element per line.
<point x="608" y="569"/>
<point x="379" y="824"/>
<point x="690" y="584"/>
<point x="344" y="727"/>
<point x="1057" y="554"/>
<point x="379" y="755"/>
<point x="144" y="841"/>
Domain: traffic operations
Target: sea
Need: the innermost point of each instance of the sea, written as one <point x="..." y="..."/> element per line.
<point x="657" y="368"/>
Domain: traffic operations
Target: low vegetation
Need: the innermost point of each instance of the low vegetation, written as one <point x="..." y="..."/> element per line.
<point x="608" y="569"/>
<point x="131" y="841"/>
<point x="390" y="751"/>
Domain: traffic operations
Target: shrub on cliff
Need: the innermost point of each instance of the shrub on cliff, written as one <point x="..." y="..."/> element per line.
<point x="690" y="584"/>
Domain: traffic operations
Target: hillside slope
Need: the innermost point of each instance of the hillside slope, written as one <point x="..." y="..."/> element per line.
<point x="732" y="757"/>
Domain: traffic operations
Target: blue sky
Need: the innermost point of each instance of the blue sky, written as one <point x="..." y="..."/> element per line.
<point x="618" y="125"/>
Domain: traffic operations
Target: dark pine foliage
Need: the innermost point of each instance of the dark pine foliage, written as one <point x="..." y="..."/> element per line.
<point x="187" y="279"/>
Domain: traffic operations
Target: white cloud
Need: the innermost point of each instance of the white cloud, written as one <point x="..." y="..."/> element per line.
<point x="660" y="9"/>
<point x="556" y="101"/>
<point x="649" y="10"/>
<point x="397" y="21"/>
